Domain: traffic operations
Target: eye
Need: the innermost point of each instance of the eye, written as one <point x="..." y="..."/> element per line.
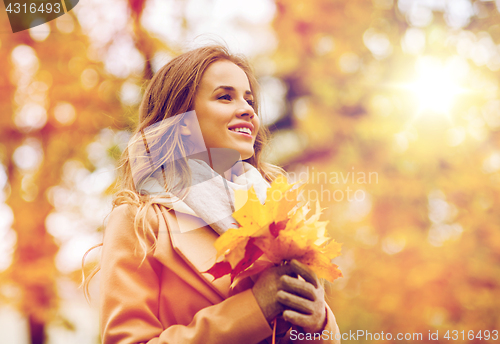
<point x="225" y="97"/>
<point x="250" y="102"/>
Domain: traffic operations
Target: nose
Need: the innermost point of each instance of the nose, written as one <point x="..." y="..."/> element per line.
<point x="246" y="110"/>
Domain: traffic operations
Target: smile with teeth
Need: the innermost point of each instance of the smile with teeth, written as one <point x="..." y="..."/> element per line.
<point x="242" y="130"/>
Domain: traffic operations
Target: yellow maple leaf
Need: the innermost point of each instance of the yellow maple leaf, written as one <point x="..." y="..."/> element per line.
<point x="321" y="265"/>
<point x="332" y="250"/>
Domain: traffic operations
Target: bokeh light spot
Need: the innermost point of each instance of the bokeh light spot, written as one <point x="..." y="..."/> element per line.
<point x="30" y="117"/>
<point x="89" y="78"/>
<point x="28" y="156"/>
<point x="64" y="113"/>
<point x="40" y="33"/>
<point x="65" y="24"/>
<point x="130" y="93"/>
<point x="349" y="63"/>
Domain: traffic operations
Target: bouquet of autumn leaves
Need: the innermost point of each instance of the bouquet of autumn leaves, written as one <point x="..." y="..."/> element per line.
<point x="279" y="230"/>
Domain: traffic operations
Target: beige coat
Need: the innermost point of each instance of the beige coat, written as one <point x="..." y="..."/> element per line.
<point x="167" y="298"/>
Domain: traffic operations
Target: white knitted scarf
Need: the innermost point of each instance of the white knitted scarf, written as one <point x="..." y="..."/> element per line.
<point x="210" y="196"/>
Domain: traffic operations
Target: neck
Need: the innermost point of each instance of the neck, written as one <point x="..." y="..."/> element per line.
<point x="220" y="160"/>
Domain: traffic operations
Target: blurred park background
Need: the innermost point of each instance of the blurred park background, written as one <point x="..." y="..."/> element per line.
<point x="391" y="108"/>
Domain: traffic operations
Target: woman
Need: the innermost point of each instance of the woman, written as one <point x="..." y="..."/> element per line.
<point x="178" y="178"/>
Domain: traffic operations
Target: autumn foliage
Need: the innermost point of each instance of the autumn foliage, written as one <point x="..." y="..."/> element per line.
<point x="279" y="230"/>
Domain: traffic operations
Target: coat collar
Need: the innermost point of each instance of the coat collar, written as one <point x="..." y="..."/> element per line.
<point x="193" y="240"/>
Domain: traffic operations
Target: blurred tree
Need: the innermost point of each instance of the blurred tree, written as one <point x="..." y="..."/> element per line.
<point x="421" y="244"/>
<point x="56" y="96"/>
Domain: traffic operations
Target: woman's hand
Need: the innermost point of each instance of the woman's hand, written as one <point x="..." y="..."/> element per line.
<point x="304" y="299"/>
<point x="301" y="301"/>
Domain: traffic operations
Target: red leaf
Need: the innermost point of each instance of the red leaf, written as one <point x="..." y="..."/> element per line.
<point x="252" y="253"/>
<point x="275" y="228"/>
<point x="219" y="269"/>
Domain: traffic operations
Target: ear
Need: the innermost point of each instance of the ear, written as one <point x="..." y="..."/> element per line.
<point x="184" y="127"/>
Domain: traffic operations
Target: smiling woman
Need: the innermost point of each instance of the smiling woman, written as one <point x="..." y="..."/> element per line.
<point x="224" y="107"/>
<point x="199" y="139"/>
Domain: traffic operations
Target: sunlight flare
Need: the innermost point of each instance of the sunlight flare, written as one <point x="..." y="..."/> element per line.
<point x="436" y="86"/>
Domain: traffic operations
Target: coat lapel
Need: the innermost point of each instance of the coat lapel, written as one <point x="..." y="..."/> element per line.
<point x="193" y="240"/>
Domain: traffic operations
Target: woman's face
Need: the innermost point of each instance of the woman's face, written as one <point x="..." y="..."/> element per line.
<point x="223" y="106"/>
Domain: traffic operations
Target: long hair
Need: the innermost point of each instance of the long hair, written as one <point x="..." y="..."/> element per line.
<point x="171" y="92"/>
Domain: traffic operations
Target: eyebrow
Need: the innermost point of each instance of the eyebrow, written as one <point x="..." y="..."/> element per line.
<point x="231" y="88"/>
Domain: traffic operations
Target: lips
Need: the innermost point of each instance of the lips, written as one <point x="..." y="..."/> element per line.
<point x="242" y="127"/>
<point x="242" y="130"/>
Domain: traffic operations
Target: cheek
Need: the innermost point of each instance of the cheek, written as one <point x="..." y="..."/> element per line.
<point x="256" y="125"/>
<point x="214" y="132"/>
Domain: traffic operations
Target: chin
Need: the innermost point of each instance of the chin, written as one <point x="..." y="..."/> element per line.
<point x="246" y="155"/>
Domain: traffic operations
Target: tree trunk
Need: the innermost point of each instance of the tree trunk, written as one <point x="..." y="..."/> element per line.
<point x="37" y="330"/>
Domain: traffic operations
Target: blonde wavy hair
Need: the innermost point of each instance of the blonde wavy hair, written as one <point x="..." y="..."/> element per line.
<point x="171" y="92"/>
